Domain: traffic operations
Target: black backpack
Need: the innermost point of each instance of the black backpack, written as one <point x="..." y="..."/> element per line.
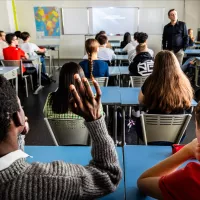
<point x="45" y="80"/>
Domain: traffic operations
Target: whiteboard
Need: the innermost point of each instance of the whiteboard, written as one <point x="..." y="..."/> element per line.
<point x="151" y="20"/>
<point x="75" y="21"/>
<point x="113" y="20"/>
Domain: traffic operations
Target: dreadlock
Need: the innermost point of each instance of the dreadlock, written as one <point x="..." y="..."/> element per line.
<point x="8" y="106"/>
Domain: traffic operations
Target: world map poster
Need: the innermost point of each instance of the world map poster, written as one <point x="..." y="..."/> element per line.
<point x="47" y="21"/>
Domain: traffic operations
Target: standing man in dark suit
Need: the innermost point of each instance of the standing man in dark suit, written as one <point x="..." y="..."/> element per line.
<point x="175" y="36"/>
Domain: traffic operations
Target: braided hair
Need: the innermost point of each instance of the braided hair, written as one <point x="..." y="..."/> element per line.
<point x="8" y="106"/>
<point x="91" y="46"/>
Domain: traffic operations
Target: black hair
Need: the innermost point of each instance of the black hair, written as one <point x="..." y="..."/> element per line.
<point x="25" y="36"/>
<point x="100" y="33"/>
<point x="127" y="37"/>
<point x="9" y="37"/>
<point x="136" y="35"/>
<point x="102" y="39"/>
<point x="171" y="11"/>
<point x="8" y="106"/>
<point x="59" y="100"/>
<point x="18" y="34"/>
<point x="142" y="37"/>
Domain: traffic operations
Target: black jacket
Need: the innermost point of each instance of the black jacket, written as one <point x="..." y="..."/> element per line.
<point x="142" y="65"/>
<point x="175" y="37"/>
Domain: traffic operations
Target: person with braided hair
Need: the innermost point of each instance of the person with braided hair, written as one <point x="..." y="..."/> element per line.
<point x="93" y="67"/>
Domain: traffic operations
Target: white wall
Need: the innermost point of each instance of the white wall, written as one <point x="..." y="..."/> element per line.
<point x="7" y="19"/>
<point x="72" y="46"/>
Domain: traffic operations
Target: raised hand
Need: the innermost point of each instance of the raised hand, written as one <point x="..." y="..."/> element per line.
<point x="84" y="103"/>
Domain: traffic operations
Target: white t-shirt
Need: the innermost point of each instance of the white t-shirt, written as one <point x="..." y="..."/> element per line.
<point x="29" y="48"/>
<point x="130" y="46"/>
<point x="132" y="54"/>
<point x="2" y="46"/>
<point x="104" y="54"/>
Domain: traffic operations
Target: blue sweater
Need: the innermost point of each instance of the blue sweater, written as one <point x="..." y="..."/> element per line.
<point x="100" y="68"/>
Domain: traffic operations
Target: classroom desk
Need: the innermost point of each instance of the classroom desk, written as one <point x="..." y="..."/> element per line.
<point x="115" y="44"/>
<point x="129" y="97"/>
<point x="114" y="71"/>
<point x="124" y="70"/>
<point x="10" y="73"/>
<point x="36" y="61"/>
<point x="136" y="163"/>
<point x="121" y="58"/>
<point x="192" y="52"/>
<point x="111" y="96"/>
<point x="120" y="51"/>
<point x="53" y="47"/>
<point x="75" y="155"/>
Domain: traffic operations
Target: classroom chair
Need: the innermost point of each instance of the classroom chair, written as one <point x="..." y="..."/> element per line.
<point x="102" y="81"/>
<point x="18" y="63"/>
<point x="164" y="128"/>
<point x="68" y="132"/>
<point x="137" y="81"/>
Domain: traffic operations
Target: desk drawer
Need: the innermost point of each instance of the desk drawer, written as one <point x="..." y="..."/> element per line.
<point x="10" y="75"/>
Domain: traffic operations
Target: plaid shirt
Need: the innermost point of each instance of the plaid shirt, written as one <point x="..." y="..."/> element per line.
<point x="48" y="112"/>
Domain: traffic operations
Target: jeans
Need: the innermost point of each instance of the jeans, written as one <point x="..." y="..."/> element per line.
<point x="42" y="59"/>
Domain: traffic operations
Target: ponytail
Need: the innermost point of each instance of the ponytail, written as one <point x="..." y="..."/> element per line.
<point x="90" y="65"/>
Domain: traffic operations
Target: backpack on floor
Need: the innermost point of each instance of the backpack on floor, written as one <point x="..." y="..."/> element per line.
<point x="45" y="80"/>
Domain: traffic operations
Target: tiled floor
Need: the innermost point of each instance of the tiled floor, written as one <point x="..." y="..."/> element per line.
<point x="39" y="135"/>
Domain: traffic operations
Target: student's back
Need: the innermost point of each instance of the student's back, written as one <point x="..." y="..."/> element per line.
<point x="105" y="53"/>
<point x="100" y="68"/>
<point x="126" y="40"/>
<point x="142" y="64"/>
<point x="93" y="67"/>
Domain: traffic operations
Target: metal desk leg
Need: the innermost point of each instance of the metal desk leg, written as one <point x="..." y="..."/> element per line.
<point x="196" y="75"/>
<point x="123" y="127"/>
<point x="40" y="85"/>
<point x="115" y="125"/>
<point x="59" y="57"/>
<point x="16" y="83"/>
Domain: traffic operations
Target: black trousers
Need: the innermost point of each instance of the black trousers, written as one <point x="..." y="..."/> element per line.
<point x="32" y="71"/>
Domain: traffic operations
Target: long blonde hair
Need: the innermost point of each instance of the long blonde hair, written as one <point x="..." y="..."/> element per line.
<point x="168" y="88"/>
<point x="91" y="46"/>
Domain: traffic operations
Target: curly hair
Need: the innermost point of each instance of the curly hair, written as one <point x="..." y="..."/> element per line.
<point x="142" y="37"/>
<point x="8" y="106"/>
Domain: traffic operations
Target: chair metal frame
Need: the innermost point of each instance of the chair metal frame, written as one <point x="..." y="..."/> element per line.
<point x="169" y="128"/>
<point x="102" y="81"/>
<point x="20" y="71"/>
<point x="76" y="124"/>
<point x="137" y="81"/>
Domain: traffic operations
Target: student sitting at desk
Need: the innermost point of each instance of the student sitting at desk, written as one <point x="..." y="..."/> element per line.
<point x="141" y="38"/>
<point x="92" y="66"/>
<point x="103" y="33"/>
<point x="191" y="37"/>
<point x="126" y="40"/>
<point x="56" y="180"/>
<point x="18" y="35"/>
<point x="31" y="49"/>
<point x="105" y="53"/>
<point x="131" y="45"/>
<point x="142" y="64"/>
<point x="58" y="103"/>
<point x="167" y="90"/>
<point x="12" y="52"/>
<point x="167" y="181"/>
<point x="3" y="43"/>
